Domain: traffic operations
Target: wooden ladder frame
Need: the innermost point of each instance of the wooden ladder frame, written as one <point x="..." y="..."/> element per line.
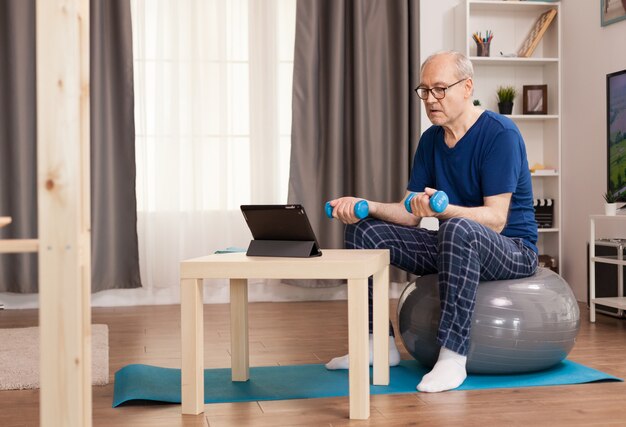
<point x="63" y="198"/>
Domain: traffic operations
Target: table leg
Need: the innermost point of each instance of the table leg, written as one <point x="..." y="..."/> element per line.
<point x="358" y="349"/>
<point x="381" y="327"/>
<point x="240" y="357"/>
<point x="592" y="272"/>
<point x="192" y="334"/>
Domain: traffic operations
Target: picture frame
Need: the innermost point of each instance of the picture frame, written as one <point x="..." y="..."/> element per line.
<point x="536" y="33"/>
<point x="535" y="99"/>
<point x="612" y="11"/>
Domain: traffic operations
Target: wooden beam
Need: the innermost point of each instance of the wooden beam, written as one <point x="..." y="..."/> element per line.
<point x="63" y="211"/>
<point x="5" y="220"/>
<point x="8" y="246"/>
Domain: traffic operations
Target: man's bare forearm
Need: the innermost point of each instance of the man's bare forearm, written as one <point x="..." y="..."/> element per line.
<point x="393" y="212"/>
<point x="485" y="215"/>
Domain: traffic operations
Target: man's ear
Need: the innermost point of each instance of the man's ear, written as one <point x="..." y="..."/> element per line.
<point x="469" y="88"/>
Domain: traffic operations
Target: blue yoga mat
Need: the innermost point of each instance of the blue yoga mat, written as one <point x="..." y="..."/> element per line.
<point x="145" y="382"/>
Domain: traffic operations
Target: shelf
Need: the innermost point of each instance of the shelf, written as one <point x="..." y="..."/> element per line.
<point x="511" y="23"/>
<point x="618" y="217"/>
<point x="504" y="60"/>
<point x="548" y="230"/>
<point x="533" y="117"/>
<point x="510" y="6"/>
<point x="541" y="175"/>
<point x="609" y="260"/>
<point x="615" y="302"/>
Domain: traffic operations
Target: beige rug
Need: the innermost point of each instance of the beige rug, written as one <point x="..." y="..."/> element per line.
<point x="19" y="357"/>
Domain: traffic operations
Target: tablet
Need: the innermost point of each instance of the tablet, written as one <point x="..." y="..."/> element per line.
<point x="280" y="230"/>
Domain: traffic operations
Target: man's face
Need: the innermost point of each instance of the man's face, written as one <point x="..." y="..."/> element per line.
<point x="440" y="72"/>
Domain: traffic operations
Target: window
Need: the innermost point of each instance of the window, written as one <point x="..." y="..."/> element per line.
<point x="213" y="81"/>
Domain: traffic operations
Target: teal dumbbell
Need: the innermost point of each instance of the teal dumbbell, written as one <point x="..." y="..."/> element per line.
<point x="361" y="209"/>
<point x="438" y="202"/>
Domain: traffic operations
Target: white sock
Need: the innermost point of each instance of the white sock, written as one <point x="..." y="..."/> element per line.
<point x="448" y="373"/>
<point x="343" y="362"/>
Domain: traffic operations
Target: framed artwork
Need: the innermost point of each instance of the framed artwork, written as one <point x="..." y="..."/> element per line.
<point x="535" y="99"/>
<point x="612" y="11"/>
<point x="536" y="33"/>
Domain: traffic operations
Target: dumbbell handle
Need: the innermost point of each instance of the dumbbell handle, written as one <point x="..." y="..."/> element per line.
<point x="361" y="209"/>
<point x="438" y="201"/>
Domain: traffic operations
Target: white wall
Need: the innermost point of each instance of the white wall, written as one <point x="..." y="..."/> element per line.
<point x="589" y="53"/>
<point x="437" y="22"/>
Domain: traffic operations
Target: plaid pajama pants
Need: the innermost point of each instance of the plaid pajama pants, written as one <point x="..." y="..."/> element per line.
<point x="462" y="253"/>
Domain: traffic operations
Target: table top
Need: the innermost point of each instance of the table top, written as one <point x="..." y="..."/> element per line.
<point x="333" y="264"/>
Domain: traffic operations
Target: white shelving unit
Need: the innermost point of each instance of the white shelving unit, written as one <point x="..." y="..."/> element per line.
<point x="618" y="302"/>
<point x="4" y="220"/>
<point x="510" y="22"/>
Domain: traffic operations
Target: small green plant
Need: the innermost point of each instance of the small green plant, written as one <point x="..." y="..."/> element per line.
<point x="609" y="197"/>
<point x="506" y="93"/>
<point x="477" y="102"/>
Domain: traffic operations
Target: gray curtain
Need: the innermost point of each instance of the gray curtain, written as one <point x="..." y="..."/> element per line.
<point x="114" y="245"/>
<point x="18" y="133"/>
<point x="355" y="116"/>
<point x="115" y="259"/>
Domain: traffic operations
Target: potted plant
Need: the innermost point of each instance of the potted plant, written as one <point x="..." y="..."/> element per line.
<point x="506" y="95"/>
<point x="610" y="207"/>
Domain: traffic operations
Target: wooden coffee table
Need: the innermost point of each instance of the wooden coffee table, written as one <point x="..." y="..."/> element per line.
<point x="354" y="265"/>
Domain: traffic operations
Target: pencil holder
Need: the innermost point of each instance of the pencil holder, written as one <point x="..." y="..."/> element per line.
<point x="482" y="49"/>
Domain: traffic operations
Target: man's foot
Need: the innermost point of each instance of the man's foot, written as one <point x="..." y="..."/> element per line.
<point x="448" y="373"/>
<point x="343" y="362"/>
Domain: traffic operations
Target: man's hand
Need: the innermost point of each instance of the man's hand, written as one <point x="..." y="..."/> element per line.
<point x="420" y="204"/>
<point x="343" y="209"/>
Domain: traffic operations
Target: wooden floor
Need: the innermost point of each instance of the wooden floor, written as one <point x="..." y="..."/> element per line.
<point x="313" y="332"/>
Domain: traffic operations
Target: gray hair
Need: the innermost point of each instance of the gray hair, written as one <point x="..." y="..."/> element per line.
<point x="464" y="67"/>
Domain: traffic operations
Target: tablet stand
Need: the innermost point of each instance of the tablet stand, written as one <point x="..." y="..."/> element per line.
<point x="283" y="248"/>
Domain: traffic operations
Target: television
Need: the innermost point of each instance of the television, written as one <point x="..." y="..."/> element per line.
<point x="616" y="134"/>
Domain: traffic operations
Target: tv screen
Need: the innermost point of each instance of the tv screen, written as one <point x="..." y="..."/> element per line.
<point x="616" y="134"/>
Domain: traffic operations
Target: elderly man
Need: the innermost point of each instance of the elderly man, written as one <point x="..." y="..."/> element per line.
<point x="487" y="232"/>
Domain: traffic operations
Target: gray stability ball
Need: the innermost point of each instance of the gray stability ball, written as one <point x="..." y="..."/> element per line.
<point x="520" y="325"/>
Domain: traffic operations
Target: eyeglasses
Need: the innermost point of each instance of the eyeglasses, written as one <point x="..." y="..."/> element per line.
<point x="437" y="91"/>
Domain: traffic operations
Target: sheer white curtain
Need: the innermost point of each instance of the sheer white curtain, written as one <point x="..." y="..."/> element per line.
<point x="213" y="120"/>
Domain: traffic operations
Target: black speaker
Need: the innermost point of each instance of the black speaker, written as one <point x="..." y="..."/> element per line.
<point x="607" y="284"/>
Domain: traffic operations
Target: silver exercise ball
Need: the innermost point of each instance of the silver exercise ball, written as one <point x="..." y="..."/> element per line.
<point x="520" y="325"/>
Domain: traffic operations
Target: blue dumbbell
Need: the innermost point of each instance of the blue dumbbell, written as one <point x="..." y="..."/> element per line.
<point x="438" y="201"/>
<point x="361" y="209"/>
